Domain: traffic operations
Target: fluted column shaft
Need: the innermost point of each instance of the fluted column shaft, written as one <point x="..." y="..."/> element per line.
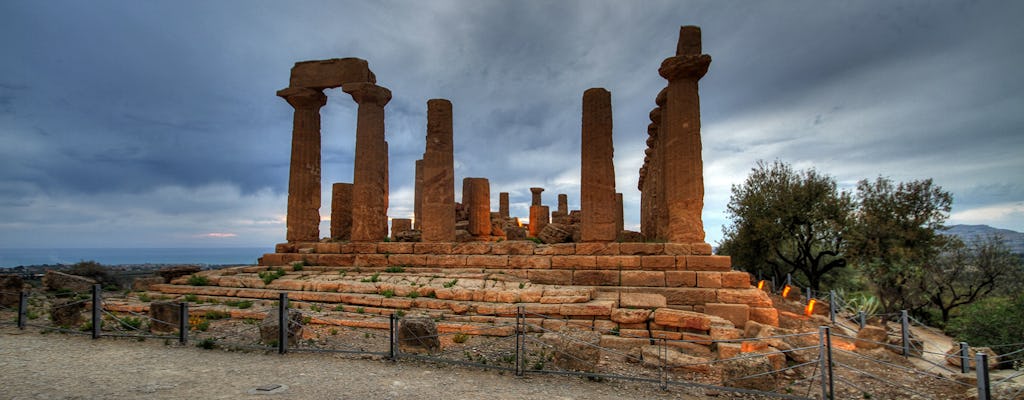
<point x="597" y="184"/>
<point x="303" y="219"/>
<point x="370" y="172"/>
<point x="438" y="203"/>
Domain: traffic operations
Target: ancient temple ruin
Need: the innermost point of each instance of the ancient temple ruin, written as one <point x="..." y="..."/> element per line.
<point x="469" y="264"/>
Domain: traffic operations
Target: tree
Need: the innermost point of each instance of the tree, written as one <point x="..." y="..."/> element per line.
<point x="895" y="234"/>
<point x="785" y="220"/>
<point x="963" y="274"/>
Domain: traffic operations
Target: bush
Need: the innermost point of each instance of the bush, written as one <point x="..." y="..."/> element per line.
<point x="198" y="280"/>
<point x="131" y="323"/>
<point x="991" y="322"/>
<point x="95" y="271"/>
<point x="395" y="268"/>
<point x="270" y="275"/>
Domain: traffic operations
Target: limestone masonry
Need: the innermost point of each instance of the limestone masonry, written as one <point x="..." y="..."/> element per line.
<point x="469" y="264"/>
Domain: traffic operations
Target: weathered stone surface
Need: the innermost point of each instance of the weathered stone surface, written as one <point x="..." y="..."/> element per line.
<point x="654" y="356"/>
<point x="370" y="170"/>
<point x="417" y="206"/>
<point x="476" y="197"/>
<point x="399" y="225"/>
<point x="10" y="286"/>
<point x="871" y="337"/>
<point x="574" y="349"/>
<point x="303" y="219"/>
<point x="67" y="313"/>
<point x="682" y="319"/>
<point x="642" y="300"/>
<point x="341" y="211"/>
<point x="439" y="174"/>
<point x="953" y="357"/>
<point x="563" y="204"/>
<point x="164" y="316"/>
<point x="514" y="232"/>
<point x="332" y="73"/>
<point x="535" y="199"/>
<point x="680" y="133"/>
<point x="269" y="332"/>
<point x="177" y="271"/>
<point x="503" y="205"/>
<point x="539" y="218"/>
<point x="750" y="373"/>
<point x="143" y="283"/>
<point x="59" y="281"/>
<point x="630" y="316"/>
<point x="555" y="233"/>
<point x="597" y="183"/>
<point x="738" y="314"/>
<point x="418" y="335"/>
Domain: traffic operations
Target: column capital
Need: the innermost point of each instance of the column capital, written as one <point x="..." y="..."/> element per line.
<point x="685" y="67"/>
<point x="536" y="190"/>
<point x="301" y="97"/>
<point x="367" y="92"/>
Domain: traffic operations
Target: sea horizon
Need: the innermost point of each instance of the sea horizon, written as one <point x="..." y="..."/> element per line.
<point x="15" y="257"/>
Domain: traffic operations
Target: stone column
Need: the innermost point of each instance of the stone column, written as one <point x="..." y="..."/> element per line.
<point x="370" y="180"/>
<point x="476" y="197"/>
<point x="341" y="211"/>
<point x="597" y="184"/>
<point x="535" y="200"/>
<point x="680" y="131"/>
<point x="438" y="175"/>
<point x="303" y="218"/>
<point x="399" y="225"/>
<point x="620" y="225"/>
<point x="563" y="203"/>
<point x="537" y="212"/>
<point x="503" y="205"/>
<point x="417" y="207"/>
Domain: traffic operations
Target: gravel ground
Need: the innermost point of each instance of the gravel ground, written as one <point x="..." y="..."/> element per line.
<point x="58" y="366"/>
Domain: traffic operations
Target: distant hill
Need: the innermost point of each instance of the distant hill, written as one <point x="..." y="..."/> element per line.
<point x="970" y="233"/>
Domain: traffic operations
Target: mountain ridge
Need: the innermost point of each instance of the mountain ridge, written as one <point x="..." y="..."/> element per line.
<point x="972" y="233"/>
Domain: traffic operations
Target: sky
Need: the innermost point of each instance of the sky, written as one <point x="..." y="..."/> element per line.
<point x="155" y="124"/>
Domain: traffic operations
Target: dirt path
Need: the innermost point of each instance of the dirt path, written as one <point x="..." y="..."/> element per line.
<point x="56" y="366"/>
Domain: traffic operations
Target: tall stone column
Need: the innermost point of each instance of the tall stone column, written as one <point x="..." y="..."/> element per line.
<point x="597" y="185"/>
<point x="503" y="205"/>
<point x="620" y="224"/>
<point x="341" y="211"/>
<point x="438" y="175"/>
<point x="538" y="214"/>
<point x="417" y="207"/>
<point x="370" y="177"/>
<point x="476" y="197"/>
<point x="535" y="199"/>
<point x="303" y="218"/>
<point x="563" y="203"/>
<point x="680" y="130"/>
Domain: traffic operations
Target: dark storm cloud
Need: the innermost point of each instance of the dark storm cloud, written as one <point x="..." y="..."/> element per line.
<point x="160" y="118"/>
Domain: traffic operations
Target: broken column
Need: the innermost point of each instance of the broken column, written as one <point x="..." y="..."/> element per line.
<point x="399" y="225"/>
<point x="538" y="213"/>
<point x="503" y="205"/>
<point x="417" y="207"/>
<point x="680" y="134"/>
<point x="476" y="197"/>
<point x="341" y="211"/>
<point x="369" y="183"/>
<point x="303" y="220"/>
<point x="563" y="204"/>
<point x="597" y="185"/>
<point x="438" y="204"/>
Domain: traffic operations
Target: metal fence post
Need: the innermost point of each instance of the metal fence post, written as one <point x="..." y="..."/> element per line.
<point x="663" y="355"/>
<point x="965" y="358"/>
<point x="520" y="331"/>
<point x="97" y="307"/>
<point x="789" y="280"/>
<point x="809" y="293"/>
<point x="282" y="323"/>
<point x="984" y="389"/>
<point x="823" y="358"/>
<point x="832" y="305"/>
<point x="183" y="323"/>
<point x="905" y="332"/>
<point x="861" y="319"/>
<point x="391" y="337"/>
<point x="22" y="309"/>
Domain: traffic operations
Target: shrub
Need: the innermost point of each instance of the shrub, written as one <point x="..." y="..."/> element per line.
<point x="191" y="298"/>
<point x="144" y="297"/>
<point x="388" y="293"/>
<point x="198" y="280"/>
<point x="991" y="322"/>
<point x="270" y="275"/>
<point x="373" y="278"/>
<point x="243" y="304"/>
<point x="460" y="338"/>
<point x="95" y="271"/>
<point x="450" y="283"/>
<point x="130" y="323"/>
<point x="207" y="344"/>
<point x="413" y="294"/>
<point x="297" y="266"/>
<point x="217" y="314"/>
<point x="395" y="268"/>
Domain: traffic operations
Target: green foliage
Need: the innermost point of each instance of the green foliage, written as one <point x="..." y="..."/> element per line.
<point x="298" y="265"/>
<point x="144" y="297"/>
<point x="400" y="313"/>
<point x="339" y="307"/>
<point x="242" y="304"/>
<point x="395" y="268"/>
<point x="373" y="278"/>
<point x="859" y="302"/>
<point x="535" y="240"/>
<point x="191" y="298"/>
<point x="95" y="271"/>
<point x="207" y="344"/>
<point x="963" y="274"/>
<point x="198" y="280"/>
<point x="460" y="337"/>
<point x="388" y="293"/>
<point x="786" y="221"/>
<point x="895" y="234"/>
<point x="270" y="275"/>
<point x="316" y="308"/>
<point x="360" y="310"/>
<point x="450" y="283"/>
<point x="413" y="294"/>
<point x="991" y="322"/>
<point x="217" y="314"/>
<point x="132" y="323"/>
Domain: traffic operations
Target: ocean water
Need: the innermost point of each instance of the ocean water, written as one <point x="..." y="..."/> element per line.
<point x="203" y="256"/>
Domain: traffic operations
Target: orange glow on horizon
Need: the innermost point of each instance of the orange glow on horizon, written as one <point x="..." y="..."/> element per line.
<point x="810" y="307"/>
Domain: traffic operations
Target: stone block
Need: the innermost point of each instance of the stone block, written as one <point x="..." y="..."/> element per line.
<point x="370" y="260"/>
<point x="332" y="73"/>
<point x="514" y="247"/>
<point x="751" y="297"/>
<point x="871" y="337"/>
<point x="597" y="249"/>
<point x="643" y="278"/>
<point x="10" y="297"/>
<point x="736" y="280"/>
<point x="529" y="262"/>
<point x="667" y="335"/>
<point x="658" y="262"/>
<point x="642" y="300"/>
<point x="624" y="344"/>
<point x="700" y="249"/>
<point x="396" y="247"/>
<point x="269" y="327"/>
<point x="630" y="316"/>
<point x="59" y="281"/>
<point x="364" y="247"/>
<point x="550" y="277"/>
<point x="682" y="319"/>
<point x="487" y="261"/>
<point x="592" y="308"/>
<point x="594" y="277"/>
<point x="680" y="279"/>
<point x="327" y="248"/>
<point x="617" y="262"/>
<point x="707" y="279"/>
<point x="655" y="356"/>
<point x="634" y="333"/>
<point x="432" y="248"/>
<point x="165" y="317"/>
<point x="735" y="313"/>
<point x="336" y="260"/>
<point x="765" y="315"/>
<point x="557" y="249"/>
<point x="644" y="249"/>
<point x="678" y="249"/>
<point x="709" y="263"/>
<point x="690" y="296"/>
<point x="446" y="261"/>
<point x="728" y="350"/>
<point x="418" y="335"/>
<point x="471" y="248"/>
<point x="573" y="262"/>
